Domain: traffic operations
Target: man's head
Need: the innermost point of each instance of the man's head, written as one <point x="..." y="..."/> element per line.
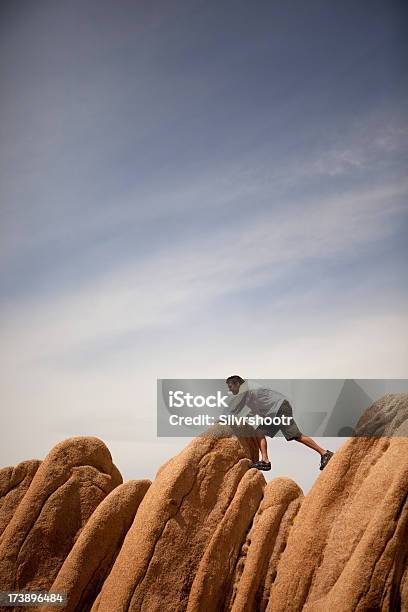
<point x="234" y="382"/>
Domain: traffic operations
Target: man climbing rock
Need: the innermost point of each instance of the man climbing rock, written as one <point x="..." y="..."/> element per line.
<point x="269" y="405"/>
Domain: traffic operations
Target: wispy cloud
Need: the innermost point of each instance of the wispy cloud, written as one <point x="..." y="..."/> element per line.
<point x="163" y="289"/>
<point x="369" y="145"/>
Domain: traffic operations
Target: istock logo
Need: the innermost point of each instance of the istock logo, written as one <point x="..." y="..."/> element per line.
<point x="178" y="399"/>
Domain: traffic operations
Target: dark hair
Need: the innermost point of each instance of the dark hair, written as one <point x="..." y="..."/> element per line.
<point x="235" y="379"/>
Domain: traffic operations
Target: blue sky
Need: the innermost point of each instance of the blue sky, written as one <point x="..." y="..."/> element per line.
<point x="193" y="188"/>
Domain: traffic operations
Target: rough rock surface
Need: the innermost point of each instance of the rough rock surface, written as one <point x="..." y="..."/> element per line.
<point x="257" y="566"/>
<point x="347" y="546"/>
<point x="388" y="416"/>
<point x="176" y="520"/>
<point x="14" y="483"/>
<point x="216" y="567"/>
<point x="67" y="487"/>
<point x="93" y="554"/>
<point x="209" y="535"/>
<point x="404" y="590"/>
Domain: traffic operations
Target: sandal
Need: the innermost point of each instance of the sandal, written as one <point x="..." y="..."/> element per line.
<point x="261" y="465"/>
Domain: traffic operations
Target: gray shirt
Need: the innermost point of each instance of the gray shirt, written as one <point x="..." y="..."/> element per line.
<point x="254" y="400"/>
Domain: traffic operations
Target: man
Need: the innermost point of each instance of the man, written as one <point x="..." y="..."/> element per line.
<point x="268" y="403"/>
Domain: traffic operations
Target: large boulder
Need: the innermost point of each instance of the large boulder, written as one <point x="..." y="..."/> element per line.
<point x="348" y="545"/>
<point x="388" y="416"/>
<point x="67" y="487"/>
<point x="93" y="554"/>
<point x="214" y="573"/>
<point x="14" y="483"/>
<point x="256" y="569"/>
<point x="209" y="535"/>
<point x="175" y="523"/>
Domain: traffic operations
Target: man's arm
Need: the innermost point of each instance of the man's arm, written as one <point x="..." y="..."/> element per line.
<point x="236" y="403"/>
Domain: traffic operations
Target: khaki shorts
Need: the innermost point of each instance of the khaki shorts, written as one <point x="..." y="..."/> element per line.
<point x="290" y="432"/>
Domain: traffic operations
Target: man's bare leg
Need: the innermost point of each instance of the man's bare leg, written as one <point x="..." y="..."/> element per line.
<point x="307" y="441"/>
<point x="263" y="447"/>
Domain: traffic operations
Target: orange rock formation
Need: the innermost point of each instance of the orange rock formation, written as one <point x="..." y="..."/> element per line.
<point x="208" y="534"/>
<point x="66" y="489"/>
<point x="14" y="483"/>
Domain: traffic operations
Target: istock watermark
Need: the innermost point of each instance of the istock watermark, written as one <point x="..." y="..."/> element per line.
<point x="229" y="419"/>
<point x="320" y="407"/>
<point x="179" y="399"/>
